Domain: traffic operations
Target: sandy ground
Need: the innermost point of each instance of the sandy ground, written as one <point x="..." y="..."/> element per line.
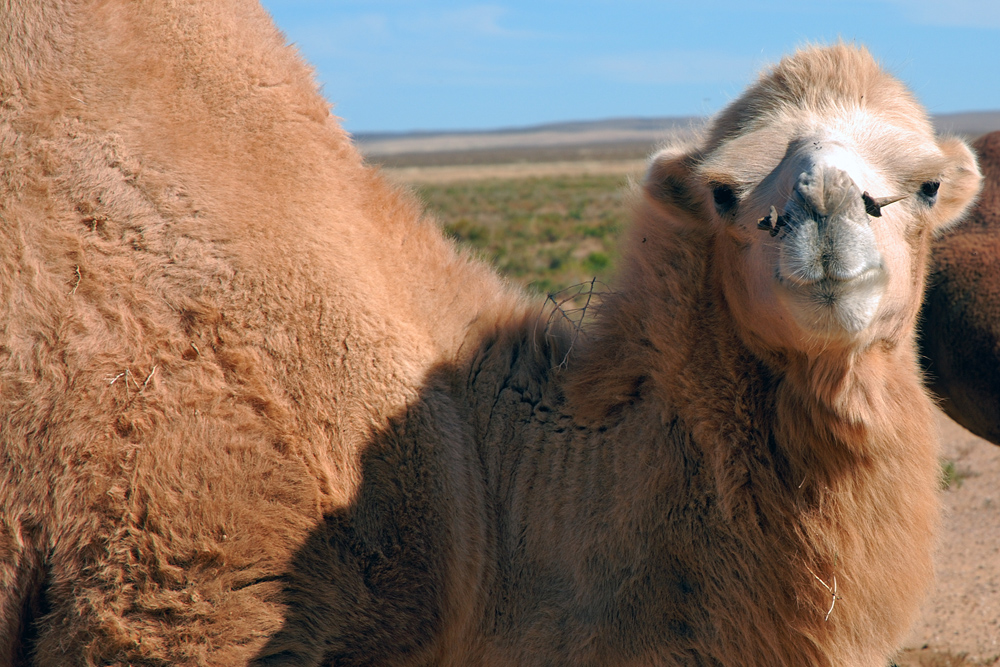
<point x="962" y="614"/>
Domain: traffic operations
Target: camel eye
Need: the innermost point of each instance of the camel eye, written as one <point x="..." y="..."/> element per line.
<point x="929" y="190"/>
<point x="725" y="199"/>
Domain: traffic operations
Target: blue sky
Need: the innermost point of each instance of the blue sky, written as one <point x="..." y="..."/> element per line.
<point x="400" y="65"/>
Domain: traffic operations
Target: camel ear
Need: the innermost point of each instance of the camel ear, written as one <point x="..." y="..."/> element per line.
<point x="671" y="182"/>
<point x="960" y="183"/>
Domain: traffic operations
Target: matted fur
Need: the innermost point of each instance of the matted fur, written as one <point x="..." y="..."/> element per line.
<point x="256" y="409"/>
<point x="960" y="328"/>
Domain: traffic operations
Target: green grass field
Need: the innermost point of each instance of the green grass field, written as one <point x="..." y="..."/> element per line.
<point x="545" y="233"/>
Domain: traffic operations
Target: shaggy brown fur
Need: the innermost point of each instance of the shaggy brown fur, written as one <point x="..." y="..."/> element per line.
<point x="255" y="409"/>
<point x="960" y="332"/>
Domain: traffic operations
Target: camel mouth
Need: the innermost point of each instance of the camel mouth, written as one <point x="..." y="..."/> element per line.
<point x="792" y="272"/>
<point x="835" y="285"/>
<point x="838" y="282"/>
<point x="832" y="305"/>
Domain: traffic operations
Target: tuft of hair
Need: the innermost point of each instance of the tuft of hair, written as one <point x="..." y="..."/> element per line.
<point x="818" y="79"/>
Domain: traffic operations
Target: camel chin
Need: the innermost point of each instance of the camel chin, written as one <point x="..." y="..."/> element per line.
<point x="835" y="308"/>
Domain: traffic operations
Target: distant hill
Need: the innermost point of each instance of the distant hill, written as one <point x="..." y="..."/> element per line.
<point x="611" y="139"/>
<point x="642" y="131"/>
<point x="970" y="123"/>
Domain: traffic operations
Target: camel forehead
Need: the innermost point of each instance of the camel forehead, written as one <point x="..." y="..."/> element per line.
<point x="874" y="151"/>
<point x="822" y="80"/>
<point x="837" y="95"/>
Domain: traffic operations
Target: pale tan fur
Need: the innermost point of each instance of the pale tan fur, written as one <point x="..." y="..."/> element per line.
<point x="255" y="408"/>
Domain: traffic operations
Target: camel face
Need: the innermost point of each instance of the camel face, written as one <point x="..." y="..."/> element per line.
<point x="817" y="242"/>
<point x="822" y="194"/>
<point x="829" y="240"/>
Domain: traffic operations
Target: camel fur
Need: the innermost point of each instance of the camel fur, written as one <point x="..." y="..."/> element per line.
<point x="256" y="409"/>
<point x="960" y="323"/>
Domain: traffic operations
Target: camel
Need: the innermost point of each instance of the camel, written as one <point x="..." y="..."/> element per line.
<point x="258" y="410"/>
<point x="960" y="322"/>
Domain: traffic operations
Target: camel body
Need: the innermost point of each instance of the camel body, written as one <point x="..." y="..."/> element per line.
<point x="960" y="326"/>
<point x="257" y="410"/>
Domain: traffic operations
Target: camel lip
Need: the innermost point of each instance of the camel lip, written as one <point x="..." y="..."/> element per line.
<point x="833" y="306"/>
<point x="843" y="282"/>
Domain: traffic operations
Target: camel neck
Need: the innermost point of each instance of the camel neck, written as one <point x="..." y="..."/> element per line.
<point x="677" y="356"/>
<point x="590" y="500"/>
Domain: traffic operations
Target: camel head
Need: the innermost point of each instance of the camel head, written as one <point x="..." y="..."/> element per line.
<point x="821" y="187"/>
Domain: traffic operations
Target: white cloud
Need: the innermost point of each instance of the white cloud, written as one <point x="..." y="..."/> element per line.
<point x="669" y="67"/>
<point x="332" y="37"/>
<point x="479" y="20"/>
<point x="409" y="29"/>
<point x="952" y="13"/>
<point x="466" y="22"/>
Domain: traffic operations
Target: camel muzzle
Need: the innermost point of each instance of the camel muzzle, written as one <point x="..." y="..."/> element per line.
<point x="829" y="263"/>
<point x="827" y="230"/>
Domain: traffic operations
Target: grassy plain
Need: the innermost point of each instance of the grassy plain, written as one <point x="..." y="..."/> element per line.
<point x="547" y="233"/>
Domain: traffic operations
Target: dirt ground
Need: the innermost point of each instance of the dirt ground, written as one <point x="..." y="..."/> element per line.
<point x="962" y="614"/>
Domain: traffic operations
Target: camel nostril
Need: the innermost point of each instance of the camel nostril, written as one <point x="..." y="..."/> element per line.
<point x="772" y="222"/>
<point x="871" y="206"/>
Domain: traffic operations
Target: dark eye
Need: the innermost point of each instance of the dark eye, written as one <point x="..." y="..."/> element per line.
<point x="929" y="190"/>
<point x="725" y="199"/>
